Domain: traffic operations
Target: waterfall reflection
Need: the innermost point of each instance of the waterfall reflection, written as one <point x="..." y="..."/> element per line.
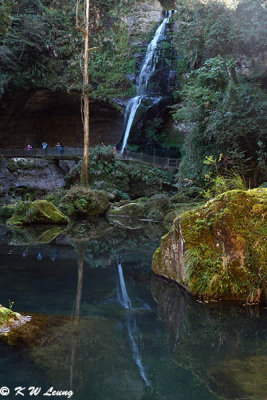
<point x="133" y="331"/>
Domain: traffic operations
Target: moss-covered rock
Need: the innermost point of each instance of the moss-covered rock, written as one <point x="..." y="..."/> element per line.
<point x="220" y="249"/>
<point x="82" y="201"/>
<point x="10" y="319"/>
<point x="37" y="212"/>
<point x="154" y="208"/>
<point x="131" y="209"/>
<point x="7" y="210"/>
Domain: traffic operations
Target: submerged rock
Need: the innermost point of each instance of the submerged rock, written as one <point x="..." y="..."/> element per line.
<point x="37" y="212"/>
<point x="219" y="250"/>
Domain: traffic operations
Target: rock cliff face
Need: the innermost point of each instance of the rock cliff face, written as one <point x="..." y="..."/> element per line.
<point x="20" y="177"/>
<point x="219" y="250"/>
<point x="30" y="117"/>
<point x="142" y="18"/>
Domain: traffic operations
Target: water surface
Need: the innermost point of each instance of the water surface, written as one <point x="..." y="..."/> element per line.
<point x="106" y="328"/>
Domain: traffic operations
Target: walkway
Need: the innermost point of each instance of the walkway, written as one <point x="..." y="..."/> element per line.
<point x="76" y="154"/>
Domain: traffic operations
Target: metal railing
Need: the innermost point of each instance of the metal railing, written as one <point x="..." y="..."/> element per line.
<point x="163" y="162"/>
<point x="37" y="152"/>
<point x="77" y="152"/>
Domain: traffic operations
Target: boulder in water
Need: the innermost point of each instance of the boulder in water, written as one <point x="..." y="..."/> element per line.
<point x="82" y="201"/>
<point x="219" y="250"/>
<point x="37" y="212"/>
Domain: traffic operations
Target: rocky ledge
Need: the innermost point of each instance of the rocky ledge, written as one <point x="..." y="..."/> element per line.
<point x="219" y="250"/>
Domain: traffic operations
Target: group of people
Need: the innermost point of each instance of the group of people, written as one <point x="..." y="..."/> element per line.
<point x="59" y="147"/>
<point x="124" y="151"/>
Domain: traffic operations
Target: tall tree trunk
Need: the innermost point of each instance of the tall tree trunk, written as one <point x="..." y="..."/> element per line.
<point x="84" y="172"/>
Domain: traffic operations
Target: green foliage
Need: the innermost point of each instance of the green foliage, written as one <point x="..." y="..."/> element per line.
<point x="225" y="111"/>
<point x="5" y="16"/>
<point x="228" y="117"/>
<point x="10" y="304"/>
<point x="120" y="178"/>
<point x="43" y="48"/>
<point x="208" y="29"/>
<point x="220" y="182"/>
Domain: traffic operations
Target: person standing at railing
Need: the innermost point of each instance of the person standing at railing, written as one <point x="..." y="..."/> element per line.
<point x="44" y="145"/>
<point x="29" y="147"/>
<point x="61" y="150"/>
<point x="58" y="148"/>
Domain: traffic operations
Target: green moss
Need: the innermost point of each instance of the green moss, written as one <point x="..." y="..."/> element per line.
<point x="6" y="211"/>
<point x="37" y="212"/>
<point x="132" y="209"/>
<point x="226" y="245"/>
<point x="6" y="315"/>
<point x="81" y="201"/>
<point x="226" y="248"/>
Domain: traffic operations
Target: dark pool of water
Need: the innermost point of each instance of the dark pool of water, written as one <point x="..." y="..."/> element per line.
<point x="82" y="336"/>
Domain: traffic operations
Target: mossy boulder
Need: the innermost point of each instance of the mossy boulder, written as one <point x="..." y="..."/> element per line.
<point x="154" y="208"/>
<point x="10" y="319"/>
<point x="37" y="212"/>
<point x="82" y="201"/>
<point x="7" y="210"/>
<point x="220" y="249"/>
<point x="131" y="209"/>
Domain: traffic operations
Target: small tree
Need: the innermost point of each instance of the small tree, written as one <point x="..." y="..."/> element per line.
<point x="84" y="28"/>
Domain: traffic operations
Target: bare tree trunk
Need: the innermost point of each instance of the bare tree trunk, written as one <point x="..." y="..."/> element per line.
<point x="84" y="172"/>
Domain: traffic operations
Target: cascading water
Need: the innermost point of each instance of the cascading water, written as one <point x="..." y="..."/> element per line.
<point x="147" y="70"/>
<point x="131" y="327"/>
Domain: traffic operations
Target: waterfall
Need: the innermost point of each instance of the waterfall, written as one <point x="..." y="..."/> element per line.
<point x="126" y="303"/>
<point x="147" y="69"/>
<point x="131" y="109"/>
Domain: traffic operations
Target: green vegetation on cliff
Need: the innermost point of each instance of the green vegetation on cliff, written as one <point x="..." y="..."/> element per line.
<point x="222" y="71"/>
<point x="123" y="179"/>
<point x="42" y="47"/>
